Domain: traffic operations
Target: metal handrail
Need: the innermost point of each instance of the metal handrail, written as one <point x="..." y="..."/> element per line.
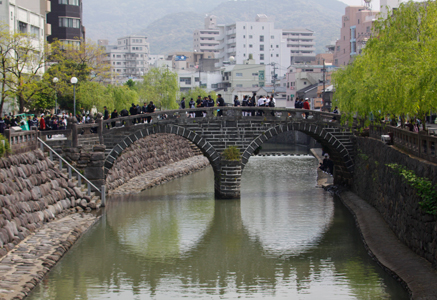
<point x="70" y="168"/>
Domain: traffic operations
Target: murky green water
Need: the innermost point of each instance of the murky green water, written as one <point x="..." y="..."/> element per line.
<point x="285" y="239"/>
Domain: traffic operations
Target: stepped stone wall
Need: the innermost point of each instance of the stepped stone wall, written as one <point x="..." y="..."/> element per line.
<point x="33" y="191"/>
<point x="397" y="202"/>
<point x="146" y="154"/>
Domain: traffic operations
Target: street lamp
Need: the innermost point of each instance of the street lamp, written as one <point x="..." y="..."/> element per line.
<point x="74" y="81"/>
<point x="55" y="81"/>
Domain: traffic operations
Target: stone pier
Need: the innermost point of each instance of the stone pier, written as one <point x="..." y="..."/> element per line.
<point x="228" y="179"/>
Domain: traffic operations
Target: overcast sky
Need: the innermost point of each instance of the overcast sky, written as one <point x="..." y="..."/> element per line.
<point x="375" y="3"/>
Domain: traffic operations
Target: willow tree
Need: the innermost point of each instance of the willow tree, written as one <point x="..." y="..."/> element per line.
<point x="160" y="86"/>
<point x="396" y="74"/>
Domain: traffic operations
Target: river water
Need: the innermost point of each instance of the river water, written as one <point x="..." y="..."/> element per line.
<point x="285" y="239"/>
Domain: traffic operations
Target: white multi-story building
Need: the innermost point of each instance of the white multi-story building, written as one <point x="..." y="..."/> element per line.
<point x="26" y="16"/>
<point x="129" y="58"/>
<point x="275" y="48"/>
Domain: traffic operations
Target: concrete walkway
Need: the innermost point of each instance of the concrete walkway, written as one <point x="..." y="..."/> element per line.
<point x="416" y="272"/>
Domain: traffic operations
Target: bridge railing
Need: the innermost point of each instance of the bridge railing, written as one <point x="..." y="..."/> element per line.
<point x="419" y="144"/>
<point x="269" y="113"/>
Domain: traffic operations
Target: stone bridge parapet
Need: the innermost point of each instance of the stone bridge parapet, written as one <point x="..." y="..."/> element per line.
<point x="213" y="134"/>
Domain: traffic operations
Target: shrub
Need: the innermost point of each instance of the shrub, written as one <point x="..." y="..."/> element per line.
<point x="231" y="153"/>
<point x="4" y="147"/>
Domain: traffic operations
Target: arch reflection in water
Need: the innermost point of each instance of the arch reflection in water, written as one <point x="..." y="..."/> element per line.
<point x="195" y="247"/>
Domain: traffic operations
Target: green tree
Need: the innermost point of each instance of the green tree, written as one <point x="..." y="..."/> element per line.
<point x="396" y="74"/>
<point x="197" y="92"/>
<point x="84" y="60"/>
<point x="160" y="86"/>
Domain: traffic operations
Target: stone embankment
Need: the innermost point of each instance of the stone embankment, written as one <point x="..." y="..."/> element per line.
<point x="33" y="191"/>
<point x="35" y="198"/>
<point x="147" y="154"/>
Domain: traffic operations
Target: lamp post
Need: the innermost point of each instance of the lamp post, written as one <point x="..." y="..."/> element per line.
<point x="73" y="82"/>
<point x="55" y="81"/>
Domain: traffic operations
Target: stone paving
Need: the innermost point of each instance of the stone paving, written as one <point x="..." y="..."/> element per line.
<point x="161" y="175"/>
<point x="24" y="266"/>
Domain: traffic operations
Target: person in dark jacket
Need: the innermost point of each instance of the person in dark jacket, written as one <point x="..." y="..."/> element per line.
<point x="133" y="112"/>
<point x="221" y="103"/>
<point x="183" y="103"/>
<point x="114" y="115"/>
<point x="151" y="108"/>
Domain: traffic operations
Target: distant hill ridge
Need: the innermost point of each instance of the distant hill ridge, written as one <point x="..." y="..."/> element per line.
<point x="170" y="27"/>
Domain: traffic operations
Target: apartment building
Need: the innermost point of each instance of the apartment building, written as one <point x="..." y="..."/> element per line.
<point x="356" y="29"/>
<point x="129" y="58"/>
<point x="274" y="48"/>
<point x="65" y="19"/>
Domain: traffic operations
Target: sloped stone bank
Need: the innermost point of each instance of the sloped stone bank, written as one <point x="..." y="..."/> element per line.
<point x="161" y="175"/>
<point x="147" y="154"/>
<point x="33" y="191"/>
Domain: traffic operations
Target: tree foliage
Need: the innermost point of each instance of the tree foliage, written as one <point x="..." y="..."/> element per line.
<point x="21" y="66"/>
<point x="160" y="86"/>
<point x="198" y="92"/>
<point x="396" y="74"/>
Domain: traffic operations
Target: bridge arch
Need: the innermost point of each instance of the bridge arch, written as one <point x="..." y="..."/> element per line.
<point x="339" y="152"/>
<point x="205" y="147"/>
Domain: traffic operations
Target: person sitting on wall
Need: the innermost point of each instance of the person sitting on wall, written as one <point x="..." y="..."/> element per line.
<point x="327" y="165"/>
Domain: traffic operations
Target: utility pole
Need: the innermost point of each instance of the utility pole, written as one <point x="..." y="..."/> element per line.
<point x="274" y="76"/>
<point x="324" y="79"/>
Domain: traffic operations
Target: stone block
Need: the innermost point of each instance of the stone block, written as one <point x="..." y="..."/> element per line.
<point x="97" y="156"/>
<point x="92" y="173"/>
<point x="99" y="148"/>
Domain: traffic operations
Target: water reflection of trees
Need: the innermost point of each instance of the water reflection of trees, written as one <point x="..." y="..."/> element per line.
<point x="225" y="253"/>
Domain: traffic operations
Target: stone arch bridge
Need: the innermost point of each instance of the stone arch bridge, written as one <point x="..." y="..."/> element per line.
<point x="213" y="134"/>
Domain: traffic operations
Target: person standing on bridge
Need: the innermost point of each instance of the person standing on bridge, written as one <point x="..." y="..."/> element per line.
<point x="183" y="103"/>
<point x="133" y="111"/>
<point x="192" y="104"/>
<point x="150" y="109"/>
<point x="114" y="115"/>
<point x="221" y="103"/>
<point x="306" y="105"/>
<point x="106" y="115"/>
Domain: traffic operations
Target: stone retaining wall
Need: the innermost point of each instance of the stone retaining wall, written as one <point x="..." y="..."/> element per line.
<point x="146" y="154"/>
<point x="397" y="202"/>
<point x="33" y="191"/>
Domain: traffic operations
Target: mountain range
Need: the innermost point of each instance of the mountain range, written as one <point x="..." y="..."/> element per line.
<point x="169" y="27"/>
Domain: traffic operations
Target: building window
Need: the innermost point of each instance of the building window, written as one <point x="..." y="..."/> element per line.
<point x="250" y="45"/>
<point x="338" y="48"/>
<point x="261" y="38"/>
<point x="261" y="47"/>
<point x="69" y="22"/>
<point x="239" y="74"/>
<point x="250" y="36"/>
<point x="69" y="2"/>
<point x="277" y="55"/>
<point x="34" y="30"/>
<point x="261" y="56"/>
<point x="239" y="85"/>
<point x="244" y="27"/>
<point x="277" y="46"/>
<point x="22" y="27"/>
<point x="272" y="37"/>
<point x="186" y="80"/>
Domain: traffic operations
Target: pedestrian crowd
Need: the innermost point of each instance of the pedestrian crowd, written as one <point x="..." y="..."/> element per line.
<point x="44" y="122"/>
